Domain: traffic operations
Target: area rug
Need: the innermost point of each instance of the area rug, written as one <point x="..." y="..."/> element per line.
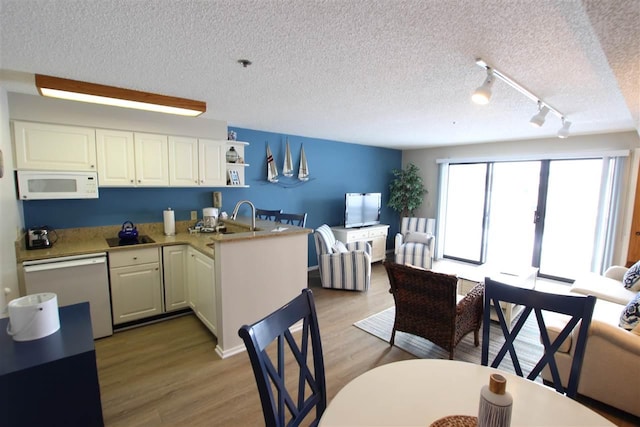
<point x="528" y="346"/>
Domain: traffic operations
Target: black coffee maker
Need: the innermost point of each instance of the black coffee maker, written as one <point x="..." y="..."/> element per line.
<point x="40" y="238"/>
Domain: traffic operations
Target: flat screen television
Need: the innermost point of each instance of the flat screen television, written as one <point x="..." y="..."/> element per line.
<point x="361" y="209"/>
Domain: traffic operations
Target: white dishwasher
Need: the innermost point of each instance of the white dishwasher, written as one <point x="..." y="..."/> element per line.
<point x="75" y="279"/>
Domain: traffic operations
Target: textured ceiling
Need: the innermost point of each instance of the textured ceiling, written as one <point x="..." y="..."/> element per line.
<point x="389" y="73"/>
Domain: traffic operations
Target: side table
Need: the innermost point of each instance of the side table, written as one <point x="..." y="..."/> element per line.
<point x="469" y="278"/>
<point x="51" y="381"/>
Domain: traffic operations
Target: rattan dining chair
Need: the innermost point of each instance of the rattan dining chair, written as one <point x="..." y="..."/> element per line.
<point x="289" y="406"/>
<point x="266" y="214"/>
<point x="427" y="306"/>
<point x="294" y="219"/>
<point x="580" y="310"/>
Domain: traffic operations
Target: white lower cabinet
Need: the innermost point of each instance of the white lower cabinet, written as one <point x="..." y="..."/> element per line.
<point x="202" y="289"/>
<point x="175" y="276"/>
<point x="136" y="288"/>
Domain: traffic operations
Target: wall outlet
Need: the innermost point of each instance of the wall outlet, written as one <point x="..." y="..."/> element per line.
<point x="194" y="215"/>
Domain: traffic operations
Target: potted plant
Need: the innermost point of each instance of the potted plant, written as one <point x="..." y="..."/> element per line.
<point x="407" y="190"/>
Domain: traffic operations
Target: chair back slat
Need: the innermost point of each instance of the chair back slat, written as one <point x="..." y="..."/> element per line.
<point x="579" y="308"/>
<point x="268" y="214"/>
<point x="290" y="218"/>
<point x="288" y="407"/>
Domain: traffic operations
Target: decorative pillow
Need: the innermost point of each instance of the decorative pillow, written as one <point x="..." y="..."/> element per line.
<point x="339" y="247"/>
<point x="631" y="278"/>
<point x="630" y="317"/>
<point x="416" y="237"/>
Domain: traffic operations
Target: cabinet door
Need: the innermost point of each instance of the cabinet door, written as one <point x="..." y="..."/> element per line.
<point x="174" y="261"/>
<point x="203" y="269"/>
<point x="116" y="158"/>
<point x="152" y="162"/>
<point x="183" y="161"/>
<point x="211" y="162"/>
<point x="40" y="146"/>
<point x="135" y="292"/>
<point x="378" y="248"/>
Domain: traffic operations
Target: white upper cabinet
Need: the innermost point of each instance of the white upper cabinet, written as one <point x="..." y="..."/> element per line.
<point x="126" y="158"/>
<point x="40" y="146"/>
<point x="196" y="162"/>
<point x="183" y="161"/>
<point x="116" y="158"/>
<point x="211" y="162"/>
<point x="152" y="160"/>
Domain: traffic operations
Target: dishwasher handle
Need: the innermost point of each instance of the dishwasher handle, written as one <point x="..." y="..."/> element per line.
<point x="64" y="264"/>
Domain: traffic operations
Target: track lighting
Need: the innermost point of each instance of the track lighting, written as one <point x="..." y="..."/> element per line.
<point x="564" y="130"/>
<point x="74" y="90"/>
<point x="483" y="93"/>
<point x="538" y="119"/>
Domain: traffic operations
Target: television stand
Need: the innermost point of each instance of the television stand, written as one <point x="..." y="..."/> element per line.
<point x="376" y="235"/>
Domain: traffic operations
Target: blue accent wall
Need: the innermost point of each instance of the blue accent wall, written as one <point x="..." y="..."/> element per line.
<point x="335" y="168"/>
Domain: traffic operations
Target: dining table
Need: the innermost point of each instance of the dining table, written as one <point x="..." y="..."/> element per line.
<point x="440" y="393"/>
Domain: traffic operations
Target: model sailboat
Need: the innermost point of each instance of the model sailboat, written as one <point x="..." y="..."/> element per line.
<point x="303" y="171"/>
<point x="287" y="167"/>
<point x="272" y="171"/>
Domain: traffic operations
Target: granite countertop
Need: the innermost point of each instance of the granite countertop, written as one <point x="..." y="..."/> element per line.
<point x="86" y="240"/>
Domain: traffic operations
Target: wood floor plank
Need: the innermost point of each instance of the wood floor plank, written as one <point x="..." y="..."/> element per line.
<point x="168" y="374"/>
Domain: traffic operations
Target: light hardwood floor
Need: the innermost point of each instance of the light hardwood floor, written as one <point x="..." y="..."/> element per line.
<point x="167" y="374"/>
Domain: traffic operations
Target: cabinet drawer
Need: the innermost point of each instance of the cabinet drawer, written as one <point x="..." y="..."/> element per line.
<point x="353" y="236"/>
<point x="376" y="232"/>
<point x="133" y="257"/>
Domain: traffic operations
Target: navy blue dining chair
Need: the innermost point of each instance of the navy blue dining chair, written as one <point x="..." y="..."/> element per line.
<point x="288" y="407"/>
<point x="578" y="308"/>
<point x="294" y="219"/>
<point x="267" y="214"/>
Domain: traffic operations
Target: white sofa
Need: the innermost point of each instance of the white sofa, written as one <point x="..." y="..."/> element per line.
<point x="611" y="366"/>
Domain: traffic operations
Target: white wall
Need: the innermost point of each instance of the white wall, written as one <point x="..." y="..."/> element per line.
<point x="426" y="159"/>
<point x="11" y="208"/>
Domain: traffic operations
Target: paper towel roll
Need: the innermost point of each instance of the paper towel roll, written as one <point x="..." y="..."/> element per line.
<point x="169" y="222"/>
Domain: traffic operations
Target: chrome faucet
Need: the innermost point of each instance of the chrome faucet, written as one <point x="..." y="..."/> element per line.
<point x="253" y="213"/>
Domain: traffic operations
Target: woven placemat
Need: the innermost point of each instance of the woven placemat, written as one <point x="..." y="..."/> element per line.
<point x="456" y="421"/>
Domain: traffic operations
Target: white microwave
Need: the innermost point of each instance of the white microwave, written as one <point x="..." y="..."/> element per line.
<point x="43" y="185"/>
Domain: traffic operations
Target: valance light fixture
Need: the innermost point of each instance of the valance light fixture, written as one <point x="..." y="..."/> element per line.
<point x="483" y="93"/>
<point x="74" y="90"/>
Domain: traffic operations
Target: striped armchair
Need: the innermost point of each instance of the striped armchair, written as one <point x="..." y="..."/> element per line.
<point x="414" y="243"/>
<point x="342" y="266"/>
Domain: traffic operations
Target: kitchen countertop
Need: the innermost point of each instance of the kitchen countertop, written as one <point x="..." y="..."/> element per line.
<point x="80" y="241"/>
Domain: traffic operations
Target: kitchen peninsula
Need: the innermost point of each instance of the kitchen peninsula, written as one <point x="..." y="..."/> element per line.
<point x="248" y="275"/>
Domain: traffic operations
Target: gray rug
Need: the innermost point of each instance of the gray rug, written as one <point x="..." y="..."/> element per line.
<point x="528" y="346"/>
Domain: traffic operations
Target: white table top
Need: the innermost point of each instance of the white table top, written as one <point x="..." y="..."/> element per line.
<point x="419" y="392"/>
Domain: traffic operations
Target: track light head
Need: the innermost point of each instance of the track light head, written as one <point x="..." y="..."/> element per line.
<point x="564" y="130"/>
<point x="483" y="93"/>
<point x="538" y="119"/>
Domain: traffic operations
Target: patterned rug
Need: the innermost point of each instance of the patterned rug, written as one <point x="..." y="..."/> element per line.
<point x="528" y="346"/>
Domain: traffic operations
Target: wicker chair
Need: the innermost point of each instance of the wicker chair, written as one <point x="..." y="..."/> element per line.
<point x="427" y="306"/>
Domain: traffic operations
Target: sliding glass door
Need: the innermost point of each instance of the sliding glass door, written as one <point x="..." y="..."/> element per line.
<point x="513" y="203"/>
<point x="571" y="211"/>
<point x="549" y="214"/>
<point x="464" y="226"/>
